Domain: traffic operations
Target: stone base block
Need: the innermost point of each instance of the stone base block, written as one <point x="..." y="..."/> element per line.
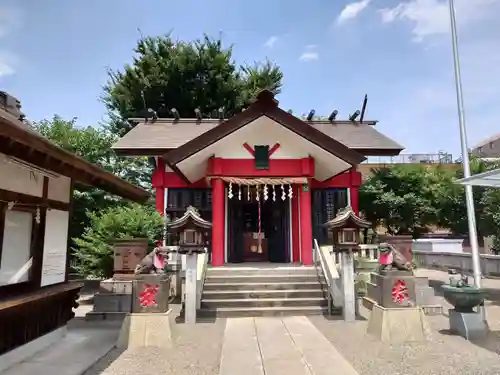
<point x="384" y="285"/>
<point x="469" y="325"/>
<point x="116" y="286"/>
<point x="398" y="325"/>
<point x="109" y="302"/>
<point x="150" y="294"/>
<point x="145" y="330"/>
<point x="424" y="295"/>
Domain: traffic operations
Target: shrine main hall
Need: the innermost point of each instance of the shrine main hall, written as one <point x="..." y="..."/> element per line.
<point x="266" y="179"/>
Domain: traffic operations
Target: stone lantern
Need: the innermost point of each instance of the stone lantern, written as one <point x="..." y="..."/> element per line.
<point x="346" y="228"/>
<point x="193" y="233"/>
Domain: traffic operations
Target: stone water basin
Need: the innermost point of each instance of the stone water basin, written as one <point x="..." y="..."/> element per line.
<point x="463" y="298"/>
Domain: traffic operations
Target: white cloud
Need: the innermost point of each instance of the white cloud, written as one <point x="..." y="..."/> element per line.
<point x="432" y="17"/>
<point x="311" y="46"/>
<point x="8" y="62"/>
<point x="10" y="19"/>
<point x="428" y="102"/>
<point x="271" y="41"/>
<point x="352" y="10"/>
<point x="309" y="56"/>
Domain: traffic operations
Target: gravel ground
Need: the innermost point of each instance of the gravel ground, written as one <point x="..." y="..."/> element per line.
<point x="196" y="351"/>
<point x="198" y="348"/>
<point x="443" y="354"/>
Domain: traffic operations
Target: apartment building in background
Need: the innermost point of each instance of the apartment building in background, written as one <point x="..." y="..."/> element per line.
<point x="489" y="148"/>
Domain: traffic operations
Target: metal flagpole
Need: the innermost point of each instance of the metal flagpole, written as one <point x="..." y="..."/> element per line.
<point x="471" y="218"/>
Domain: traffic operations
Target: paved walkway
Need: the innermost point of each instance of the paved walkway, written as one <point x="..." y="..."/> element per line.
<point x="83" y="345"/>
<point x="274" y="346"/>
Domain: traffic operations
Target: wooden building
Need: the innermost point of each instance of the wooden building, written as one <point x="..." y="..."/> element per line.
<point x="266" y="179"/>
<point x="36" y="186"/>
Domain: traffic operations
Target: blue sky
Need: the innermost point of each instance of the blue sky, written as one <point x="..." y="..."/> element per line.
<point x="54" y="55"/>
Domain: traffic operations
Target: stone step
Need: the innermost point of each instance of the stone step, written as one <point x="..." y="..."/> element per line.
<point x="263" y="302"/>
<point x="228" y="286"/>
<point x="263" y="293"/>
<point x="249" y="271"/>
<point x="258" y="278"/>
<point x="238" y="312"/>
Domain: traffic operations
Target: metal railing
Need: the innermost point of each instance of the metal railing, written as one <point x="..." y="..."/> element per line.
<point x="443" y="158"/>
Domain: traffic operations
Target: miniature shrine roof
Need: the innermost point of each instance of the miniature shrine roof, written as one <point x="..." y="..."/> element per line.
<point x="190" y="217"/>
<point x="347" y="218"/>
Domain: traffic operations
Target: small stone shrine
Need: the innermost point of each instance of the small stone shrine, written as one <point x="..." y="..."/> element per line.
<point x="114" y="298"/>
<point x="193" y="233"/>
<point x="127" y="254"/>
<point x="346" y="227"/>
<point x="146" y="323"/>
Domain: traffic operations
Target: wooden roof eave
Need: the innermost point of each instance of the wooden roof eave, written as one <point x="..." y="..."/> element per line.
<point x="17" y="140"/>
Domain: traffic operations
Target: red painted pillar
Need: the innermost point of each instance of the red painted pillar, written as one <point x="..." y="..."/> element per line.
<point x="356" y="180"/>
<point x="296" y="224"/>
<point x="306" y="239"/>
<point x="218" y="222"/>
<point x="353" y="192"/>
<point x="157" y="181"/>
<point x="160" y="200"/>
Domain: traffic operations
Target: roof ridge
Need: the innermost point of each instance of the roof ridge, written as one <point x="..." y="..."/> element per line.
<point x="212" y="120"/>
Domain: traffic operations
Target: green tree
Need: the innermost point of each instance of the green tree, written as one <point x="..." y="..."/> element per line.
<point x="403" y="197"/>
<point x="94" y="252"/>
<point x="453" y="211"/>
<point x="94" y="145"/>
<point x="168" y="74"/>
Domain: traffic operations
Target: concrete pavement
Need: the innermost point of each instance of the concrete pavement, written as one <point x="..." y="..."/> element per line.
<point x="274" y="346"/>
<point x="82" y="346"/>
<point x="279" y="346"/>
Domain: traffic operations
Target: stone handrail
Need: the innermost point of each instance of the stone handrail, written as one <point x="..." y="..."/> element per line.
<point x="490" y="264"/>
<point x="201" y="268"/>
<point x="367" y="251"/>
<point x="201" y="263"/>
<point x="331" y="275"/>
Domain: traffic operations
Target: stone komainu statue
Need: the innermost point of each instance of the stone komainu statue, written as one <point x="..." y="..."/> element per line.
<point x="152" y="263"/>
<point x="396" y="259"/>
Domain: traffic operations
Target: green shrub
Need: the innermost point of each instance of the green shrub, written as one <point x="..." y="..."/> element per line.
<point x="94" y="250"/>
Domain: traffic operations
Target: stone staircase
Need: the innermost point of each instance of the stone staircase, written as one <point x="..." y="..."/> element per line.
<point x="237" y="291"/>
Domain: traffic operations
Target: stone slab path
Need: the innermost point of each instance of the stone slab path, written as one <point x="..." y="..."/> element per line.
<point x="279" y="346"/>
<point x="80" y="348"/>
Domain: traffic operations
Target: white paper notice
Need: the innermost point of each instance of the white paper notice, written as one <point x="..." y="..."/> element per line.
<point x="55" y="247"/>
